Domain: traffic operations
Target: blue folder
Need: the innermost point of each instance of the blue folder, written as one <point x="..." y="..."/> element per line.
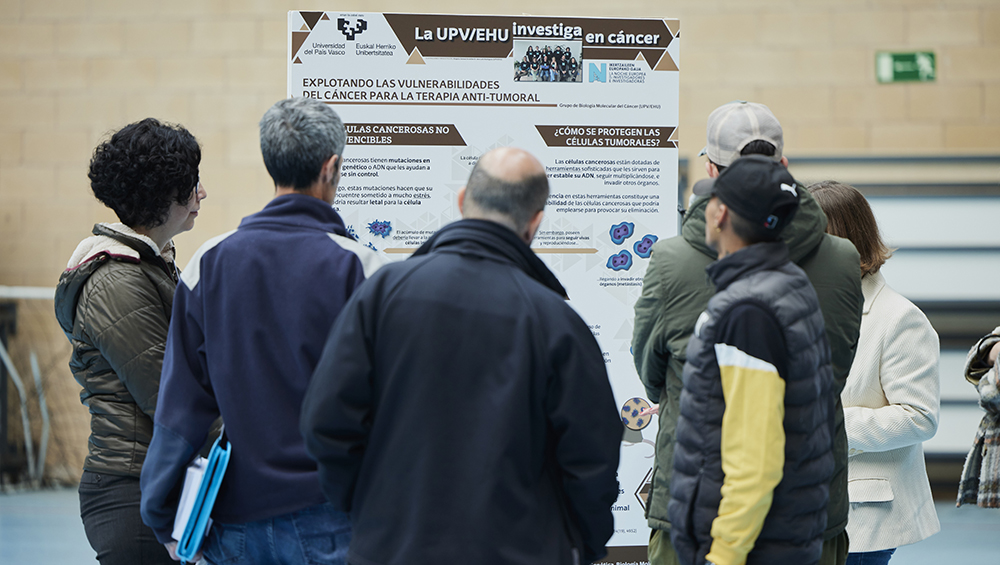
<point x="200" y="519"/>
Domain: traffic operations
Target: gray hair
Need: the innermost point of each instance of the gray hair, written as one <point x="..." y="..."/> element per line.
<point x="519" y="200"/>
<point x="297" y="135"/>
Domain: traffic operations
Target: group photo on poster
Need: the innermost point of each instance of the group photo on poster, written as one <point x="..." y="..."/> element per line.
<point x="548" y="61"/>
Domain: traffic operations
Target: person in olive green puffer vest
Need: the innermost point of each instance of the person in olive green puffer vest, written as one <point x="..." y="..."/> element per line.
<point x="676" y="290"/>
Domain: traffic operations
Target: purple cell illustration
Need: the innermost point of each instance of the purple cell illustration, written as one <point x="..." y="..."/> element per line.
<point x="644" y="246"/>
<point x="380" y="228"/>
<point x="621" y="232"/>
<point x="620" y="262"/>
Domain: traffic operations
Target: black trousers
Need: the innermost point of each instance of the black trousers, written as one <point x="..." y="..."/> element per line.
<point x="109" y="506"/>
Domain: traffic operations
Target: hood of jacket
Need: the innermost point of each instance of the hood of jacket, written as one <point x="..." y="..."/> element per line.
<point x="491" y="240"/>
<point x="116" y="242"/>
<point x="764" y="256"/>
<point x="802" y="235"/>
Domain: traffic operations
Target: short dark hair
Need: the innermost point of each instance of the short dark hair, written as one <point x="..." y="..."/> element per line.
<point x="755" y="147"/>
<point x="849" y="216"/>
<point x="143" y="168"/>
<point x="750" y="232"/>
<point x="519" y="201"/>
<point x="297" y="135"/>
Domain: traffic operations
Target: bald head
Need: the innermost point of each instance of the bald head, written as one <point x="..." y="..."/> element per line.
<point x="510" y="164"/>
<point x="509" y="186"/>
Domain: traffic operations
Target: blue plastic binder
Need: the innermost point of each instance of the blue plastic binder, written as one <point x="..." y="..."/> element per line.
<point x="200" y="519"/>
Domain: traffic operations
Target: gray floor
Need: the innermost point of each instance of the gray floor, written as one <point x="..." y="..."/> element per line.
<point x="43" y="528"/>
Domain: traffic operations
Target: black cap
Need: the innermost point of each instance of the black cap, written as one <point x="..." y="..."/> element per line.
<point x="759" y="190"/>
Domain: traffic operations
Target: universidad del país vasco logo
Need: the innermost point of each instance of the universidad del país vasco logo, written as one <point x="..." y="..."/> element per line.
<point x="350" y="30"/>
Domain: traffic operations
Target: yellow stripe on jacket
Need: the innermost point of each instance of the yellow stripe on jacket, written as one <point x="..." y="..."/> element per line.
<point x="753" y="451"/>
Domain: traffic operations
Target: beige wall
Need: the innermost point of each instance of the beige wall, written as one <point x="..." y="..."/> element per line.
<point x="73" y="70"/>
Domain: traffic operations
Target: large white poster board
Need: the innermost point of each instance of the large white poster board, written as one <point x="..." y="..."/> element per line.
<point x="595" y="99"/>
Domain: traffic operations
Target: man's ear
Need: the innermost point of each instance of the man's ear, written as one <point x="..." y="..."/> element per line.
<point x="529" y="231"/>
<point x="711" y="169"/>
<point x="328" y="171"/>
<point x="723" y="215"/>
<point x="784" y="161"/>
<point x="461" y="201"/>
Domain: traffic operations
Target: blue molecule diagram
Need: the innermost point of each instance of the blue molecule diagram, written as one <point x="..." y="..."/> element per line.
<point x="621" y="261"/>
<point x="621" y="232"/>
<point x="644" y="247"/>
<point x="378" y="228"/>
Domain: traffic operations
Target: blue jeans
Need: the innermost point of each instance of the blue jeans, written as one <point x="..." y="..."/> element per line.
<point x="318" y="535"/>
<point x="870" y="557"/>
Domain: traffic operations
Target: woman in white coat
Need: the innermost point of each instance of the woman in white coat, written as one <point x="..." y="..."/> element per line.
<point x="892" y="397"/>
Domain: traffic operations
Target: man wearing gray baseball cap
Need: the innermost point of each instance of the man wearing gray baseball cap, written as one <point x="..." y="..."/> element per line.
<point x="675" y="291"/>
<point x="742" y="128"/>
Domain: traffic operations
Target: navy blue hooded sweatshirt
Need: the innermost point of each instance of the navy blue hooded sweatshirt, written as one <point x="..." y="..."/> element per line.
<point x="249" y="321"/>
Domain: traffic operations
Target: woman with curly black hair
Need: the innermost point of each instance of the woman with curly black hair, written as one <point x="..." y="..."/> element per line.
<point x="113" y="301"/>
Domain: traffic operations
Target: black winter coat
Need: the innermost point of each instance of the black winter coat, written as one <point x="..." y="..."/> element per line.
<point x="462" y="413"/>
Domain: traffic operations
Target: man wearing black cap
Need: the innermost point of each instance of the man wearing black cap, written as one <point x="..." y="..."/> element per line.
<point x="753" y="458"/>
<point x="675" y="291"/>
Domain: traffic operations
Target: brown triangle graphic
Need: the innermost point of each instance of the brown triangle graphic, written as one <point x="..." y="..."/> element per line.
<point x="673" y="135"/>
<point x="311" y="18"/>
<point x="651" y="56"/>
<point x="511" y="54"/>
<point x="304" y="28"/>
<point x="416" y="58"/>
<point x="674" y="26"/>
<point x="298" y="38"/>
<point x="325" y="17"/>
<point x="666" y="63"/>
<point x="297" y="61"/>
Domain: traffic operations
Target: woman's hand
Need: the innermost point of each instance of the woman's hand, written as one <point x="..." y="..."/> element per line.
<point x="654" y="409"/>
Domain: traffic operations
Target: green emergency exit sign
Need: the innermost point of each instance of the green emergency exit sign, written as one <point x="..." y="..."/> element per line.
<point x="918" y="66"/>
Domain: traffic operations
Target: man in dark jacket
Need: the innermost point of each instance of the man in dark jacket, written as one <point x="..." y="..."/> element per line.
<point x="675" y="291"/>
<point x="753" y="458"/>
<point x="250" y="318"/>
<point x="461" y="411"/>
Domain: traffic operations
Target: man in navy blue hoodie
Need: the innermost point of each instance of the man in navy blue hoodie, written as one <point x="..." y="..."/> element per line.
<point x="461" y="411"/>
<point x="249" y="321"/>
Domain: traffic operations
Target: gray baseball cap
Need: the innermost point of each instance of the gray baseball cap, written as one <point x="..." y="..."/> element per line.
<point x="732" y="126"/>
